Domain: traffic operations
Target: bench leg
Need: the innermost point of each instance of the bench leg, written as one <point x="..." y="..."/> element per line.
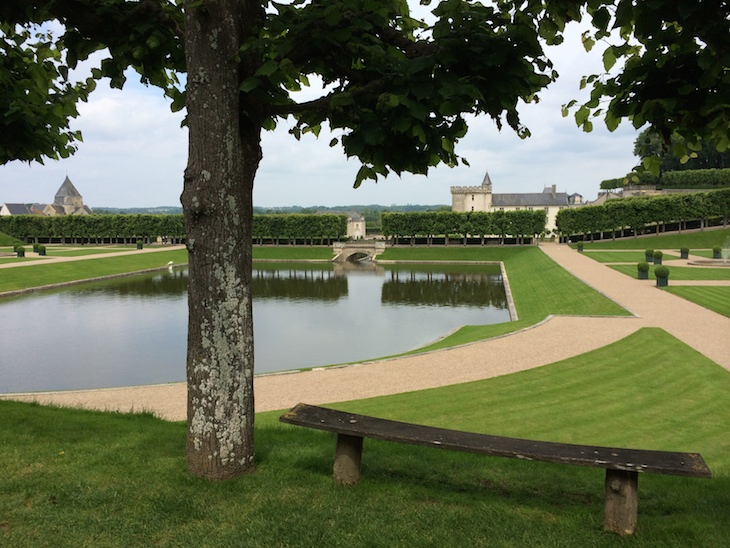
<point x="622" y="501"/>
<point x="348" y="456"/>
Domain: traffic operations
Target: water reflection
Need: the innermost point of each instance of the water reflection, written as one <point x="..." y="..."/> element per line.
<point x="133" y="330"/>
<point x="292" y="284"/>
<point x="444" y="289"/>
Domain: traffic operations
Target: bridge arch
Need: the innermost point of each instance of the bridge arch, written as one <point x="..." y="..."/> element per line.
<point x="358" y="250"/>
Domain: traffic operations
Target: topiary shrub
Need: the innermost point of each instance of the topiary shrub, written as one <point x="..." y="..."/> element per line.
<point x="662" y="276"/>
<point x="580" y="245"/>
<point x="20" y="250"/>
<point x="643" y="270"/>
<point x="717" y="252"/>
<point x="649" y="255"/>
<point x="41" y="250"/>
<point x="658" y="257"/>
<point x="139" y="244"/>
<point x="684" y="253"/>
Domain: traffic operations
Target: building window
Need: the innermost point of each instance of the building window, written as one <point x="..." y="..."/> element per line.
<point x="472" y="197"/>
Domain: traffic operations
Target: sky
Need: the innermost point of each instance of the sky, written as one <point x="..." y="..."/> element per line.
<point x="134" y="153"/>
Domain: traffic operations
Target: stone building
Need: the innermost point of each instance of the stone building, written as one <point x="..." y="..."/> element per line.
<point x="67" y="201"/>
<point x="481" y="198"/>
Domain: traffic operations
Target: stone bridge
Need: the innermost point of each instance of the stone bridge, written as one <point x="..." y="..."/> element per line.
<point x="358" y="250"/>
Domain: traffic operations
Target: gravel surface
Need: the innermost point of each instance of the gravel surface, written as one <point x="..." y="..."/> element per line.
<point x="550" y="341"/>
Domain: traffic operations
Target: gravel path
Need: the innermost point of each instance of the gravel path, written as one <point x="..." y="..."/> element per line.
<point x="547" y="342"/>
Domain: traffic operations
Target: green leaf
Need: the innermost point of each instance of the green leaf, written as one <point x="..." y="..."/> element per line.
<point x="363" y="173"/>
<point x="249" y="84"/>
<point x="609" y="58"/>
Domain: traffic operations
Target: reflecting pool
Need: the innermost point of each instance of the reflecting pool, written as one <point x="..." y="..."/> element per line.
<point x="132" y="331"/>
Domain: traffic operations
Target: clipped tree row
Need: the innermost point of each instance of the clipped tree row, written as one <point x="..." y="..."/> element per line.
<point x="686" y="179"/>
<point x="642" y="213"/>
<point x="94" y="228"/>
<point x="290" y="228"/>
<point x="517" y="224"/>
<point x="131" y="228"/>
<point x="696" y="178"/>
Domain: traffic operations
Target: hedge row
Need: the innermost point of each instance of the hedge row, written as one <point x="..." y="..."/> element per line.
<point x="685" y="179"/>
<point x="638" y="213"/>
<point x="130" y="228"/>
<point x="696" y="178"/>
<point x="518" y="224"/>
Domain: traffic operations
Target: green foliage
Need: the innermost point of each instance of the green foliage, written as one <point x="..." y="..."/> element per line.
<point x="699" y="178"/>
<point x="650" y="144"/>
<point x="323" y="228"/>
<point x="637" y="213"/>
<point x="657" y="255"/>
<point x="523" y="223"/>
<point x="674" y="75"/>
<point x="642" y="266"/>
<point x="661" y="272"/>
<point x="126" y="227"/>
<point x="36" y="100"/>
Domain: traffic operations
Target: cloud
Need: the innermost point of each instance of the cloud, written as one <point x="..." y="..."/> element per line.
<point x="134" y="154"/>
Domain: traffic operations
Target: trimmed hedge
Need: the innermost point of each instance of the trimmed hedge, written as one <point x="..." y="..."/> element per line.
<point x="518" y="224"/>
<point x="131" y="228"/>
<point x="638" y="213"/>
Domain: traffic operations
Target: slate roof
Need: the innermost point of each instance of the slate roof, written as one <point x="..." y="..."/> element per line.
<point x="17" y="209"/>
<point x="530" y="199"/>
<point x="67" y="189"/>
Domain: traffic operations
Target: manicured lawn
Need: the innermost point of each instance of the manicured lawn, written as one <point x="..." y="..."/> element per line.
<point x="706" y="239"/>
<point x="617" y="256"/>
<point x="714" y="298"/>
<point x="81" y="478"/>
<point x="680" y="272"/>
<point x="82" y="251"/>
<point x="291" y="253"/>
<point x="539" y="288"/>
<point x="52" y="273"/>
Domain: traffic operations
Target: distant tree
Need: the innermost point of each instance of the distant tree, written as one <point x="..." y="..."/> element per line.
<point x="650" y="144"/>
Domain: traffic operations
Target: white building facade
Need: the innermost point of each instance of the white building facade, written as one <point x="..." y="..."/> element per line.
<point x="481" y="198"/>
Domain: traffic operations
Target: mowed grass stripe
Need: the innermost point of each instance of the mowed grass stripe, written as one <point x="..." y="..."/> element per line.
<point x="706" y="239"/>
<point x="680" y="272"/>
<point x="75" y="478"/>
<point x="716" y="298"/>
<point x="648" y="390"/>
<point x="53" y="273"/>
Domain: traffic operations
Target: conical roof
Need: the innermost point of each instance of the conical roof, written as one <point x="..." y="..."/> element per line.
<point x="486" y="181"/>
<point x="67" y="189"/>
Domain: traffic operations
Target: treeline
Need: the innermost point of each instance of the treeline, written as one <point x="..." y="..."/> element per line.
<point x="517" y="224"/>
<point x="642" y="213"/>
<point x="686" y="179"/>
<point x="132" y="228"/>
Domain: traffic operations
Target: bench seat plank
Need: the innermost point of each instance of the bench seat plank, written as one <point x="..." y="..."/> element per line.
<point x="635" y="460"/>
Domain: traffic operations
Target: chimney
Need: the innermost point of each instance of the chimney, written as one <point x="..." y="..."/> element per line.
<point x="553" y="191"/>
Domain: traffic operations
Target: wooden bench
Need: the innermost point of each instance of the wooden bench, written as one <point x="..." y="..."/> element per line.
<point x="622" y="465"/>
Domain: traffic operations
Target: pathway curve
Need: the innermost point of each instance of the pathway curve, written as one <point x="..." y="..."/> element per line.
<point x="548" y="342"/>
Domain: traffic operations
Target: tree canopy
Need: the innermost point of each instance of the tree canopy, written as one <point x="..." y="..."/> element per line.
<point x="397" y="91"/>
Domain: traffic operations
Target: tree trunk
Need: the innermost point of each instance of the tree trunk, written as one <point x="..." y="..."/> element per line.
<point x="224" y="153"/>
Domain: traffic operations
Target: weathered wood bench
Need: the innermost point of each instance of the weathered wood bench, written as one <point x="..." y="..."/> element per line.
<point x="622" y="465"/>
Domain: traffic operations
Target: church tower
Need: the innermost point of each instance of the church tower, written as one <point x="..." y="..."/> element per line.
<point x="472" y="198"/>
<point x="68" y="197"/>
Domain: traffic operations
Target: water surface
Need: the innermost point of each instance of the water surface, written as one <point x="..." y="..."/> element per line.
<point x="132" y="331"/>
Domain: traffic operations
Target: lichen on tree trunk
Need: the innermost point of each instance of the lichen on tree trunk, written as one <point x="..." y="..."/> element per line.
<point x="224" y="154"/>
